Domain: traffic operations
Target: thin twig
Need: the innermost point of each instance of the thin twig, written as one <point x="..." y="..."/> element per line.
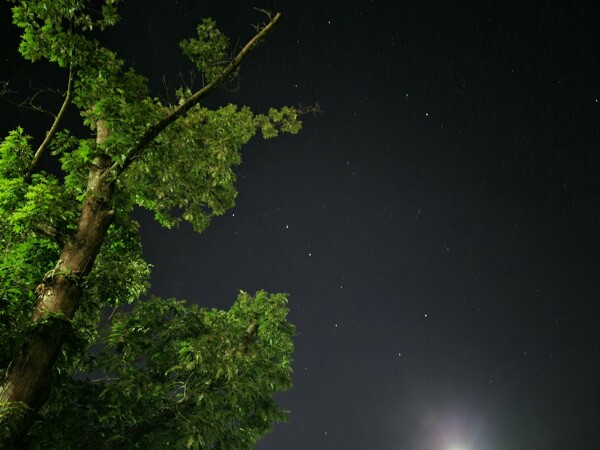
<point x="265" y="12"/>
<point x="28" y="102"/>
<point x="309" y="109"/>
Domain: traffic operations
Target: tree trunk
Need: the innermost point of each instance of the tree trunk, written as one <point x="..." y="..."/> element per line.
<point x="27" y="380"/>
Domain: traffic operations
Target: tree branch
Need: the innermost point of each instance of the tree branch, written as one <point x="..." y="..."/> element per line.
<point x="50" y="231"/>
<point x="154" y="130"/>
<point x="50" y="134"/>
<point x="29" y="102"/>
<point x="309" y="109"/>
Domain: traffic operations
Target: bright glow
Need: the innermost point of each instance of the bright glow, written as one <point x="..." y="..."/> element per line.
<point x="460" y="447"/>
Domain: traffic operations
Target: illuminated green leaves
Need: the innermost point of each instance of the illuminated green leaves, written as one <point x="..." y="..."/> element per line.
<point x="52" y="29"/>
<point x="209" y="51"/>
<point x="171" y="373"/>
<point x="135" y="372"/>
<point x="15" y="154"/>
<point x="188" y="172"/>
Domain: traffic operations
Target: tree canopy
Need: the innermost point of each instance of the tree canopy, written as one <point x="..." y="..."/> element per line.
<point x="87" y="358"/>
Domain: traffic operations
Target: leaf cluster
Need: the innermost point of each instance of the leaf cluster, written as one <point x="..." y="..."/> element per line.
<point x="54" y="29"/>
<point x="188" y="171"/>
<point x="26" y="253"/>
<point x="208" y="51"/>
<point x="173" y="375"/>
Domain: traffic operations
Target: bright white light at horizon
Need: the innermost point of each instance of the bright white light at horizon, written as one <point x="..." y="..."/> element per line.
<point x="459" y="447"/>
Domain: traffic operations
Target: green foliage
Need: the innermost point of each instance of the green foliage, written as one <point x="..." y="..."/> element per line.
<point x="24" y="259"/>
<point x="25" y="254"/>
<point x="45" y="201"/>
<point x="188" y="171"/>
<point x="50" y="28"/>
<point x="15" y="154"/>
<point x="209" y="51"/>
<point x="75" y="157"/>
<point x="119" y="277"/>
<point x="8" y="411"/>
<point x="135" y="371"/>
<point x="172" y="375"/>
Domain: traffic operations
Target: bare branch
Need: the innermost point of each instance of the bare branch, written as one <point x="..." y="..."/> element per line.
<point x="50" y="134"/>
<point x="29" y="102"/>
<point x="189" y="86"/>
<point x="269" y="14"/>
<point x="193" y="100"/>
<point x="309" y="109"/>
<point x="167" y="98"/>
<point x="4" y="89"/>
<point x="266" y="13"/>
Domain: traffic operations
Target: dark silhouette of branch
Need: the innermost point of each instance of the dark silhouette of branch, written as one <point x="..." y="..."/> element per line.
<point x="29" y="102"/>
<point x="4" y="88"/>
<point x="309" y="109"/>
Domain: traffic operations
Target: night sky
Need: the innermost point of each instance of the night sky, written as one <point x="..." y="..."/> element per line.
<point x="437" y="226"/>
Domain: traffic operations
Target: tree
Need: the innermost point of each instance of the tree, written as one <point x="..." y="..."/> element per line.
<point x="86" y="358"/>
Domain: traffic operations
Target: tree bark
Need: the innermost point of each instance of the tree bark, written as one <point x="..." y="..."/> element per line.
<point x="28" y="379"/>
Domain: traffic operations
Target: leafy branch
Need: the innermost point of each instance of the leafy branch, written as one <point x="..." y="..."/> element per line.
<point x="154" y="130"/>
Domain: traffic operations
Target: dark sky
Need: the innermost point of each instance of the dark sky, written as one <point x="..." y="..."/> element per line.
<point x="437" y="226"/>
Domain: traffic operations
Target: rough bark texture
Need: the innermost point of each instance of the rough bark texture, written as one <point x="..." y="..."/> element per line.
<point x="27" y="380"/>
